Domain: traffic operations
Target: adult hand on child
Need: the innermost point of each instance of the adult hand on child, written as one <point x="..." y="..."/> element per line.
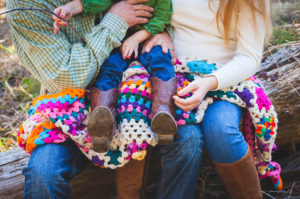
<point x="132" y="11"/>
<point x="164" y="40"/>
<point x="129" y="46"/>
<point x="199" y="88"/>
<point x="65" y="13"/>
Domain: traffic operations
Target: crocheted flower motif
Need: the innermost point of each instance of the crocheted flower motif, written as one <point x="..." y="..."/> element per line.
<point x="183" y="117"/>
<point x="96" y="161"/>
<point x="246" y="96"/>
<point x="201" y="66"/>
<point x="265" y="128"/>
<point x="136" y="151"/>
<point x="271" y="170"/>
<point x="134" y="100"/>
<point x="114" y="155"/>
<point x="262" y="99"/>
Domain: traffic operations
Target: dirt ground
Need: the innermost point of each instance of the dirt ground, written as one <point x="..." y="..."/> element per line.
<point x="11" y="74"/>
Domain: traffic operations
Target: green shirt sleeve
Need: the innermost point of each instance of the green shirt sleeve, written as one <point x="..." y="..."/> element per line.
<point x="60" y="61"/>
<point x="161" y="17"/>
<point x="95" y="6"/>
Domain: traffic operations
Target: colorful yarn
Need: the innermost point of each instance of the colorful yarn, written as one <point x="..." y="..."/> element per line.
<point x="54" y="118"/>
<point x="260" y="124"/>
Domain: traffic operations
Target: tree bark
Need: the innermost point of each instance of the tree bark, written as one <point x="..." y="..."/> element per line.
<point x="280" y="75"/>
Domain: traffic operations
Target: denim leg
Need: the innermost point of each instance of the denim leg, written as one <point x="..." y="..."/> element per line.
<point x="49" y="170"/>
<point x="180" y="164"/>
<point x="222" y="138"/>
<point x="158" y="64"/>
<point x="111" y="71"/>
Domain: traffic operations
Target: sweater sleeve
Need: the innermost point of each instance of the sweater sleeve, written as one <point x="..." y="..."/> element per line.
<point x="161" y="17"/>
<point x="248" y="53"/>
<point x="95" y="6"/>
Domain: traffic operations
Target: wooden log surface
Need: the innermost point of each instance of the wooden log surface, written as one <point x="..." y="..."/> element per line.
<point x="280" y="75"/>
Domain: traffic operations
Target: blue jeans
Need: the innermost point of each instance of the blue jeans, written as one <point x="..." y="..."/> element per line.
<point x="219" y="132"/>
<point x="52" y="166"/>
<point x="49" y="170"/>
<point x="155" y="62"/>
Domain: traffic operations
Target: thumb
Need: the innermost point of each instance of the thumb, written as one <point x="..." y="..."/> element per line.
<point x="191" y="87"/>
<point x="57" y="11"/>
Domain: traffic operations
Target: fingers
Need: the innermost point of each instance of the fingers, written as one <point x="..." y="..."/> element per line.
<point x="132" y="2"/>
<point x="56" y="27"/>
<point x="143" y="7"/>
<point x="136" y="53"/>
<point x="174" y="56"/>
<point x="63" y="13"/>
<point x="56" y="11"/>
<point x="140" y="20"/>
<point x="124" y="52"/>
<point x="190" y="88"/>
<point x="164" y="47"/>
<point x="130" y="52"/>
<point x="149" y="45"/>
<point x="142" y="13"/>
<point x="188" y="103"/>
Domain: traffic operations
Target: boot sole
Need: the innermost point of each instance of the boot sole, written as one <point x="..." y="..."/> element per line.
<point x="165" y="127"/>
<point x="100" y="127"/>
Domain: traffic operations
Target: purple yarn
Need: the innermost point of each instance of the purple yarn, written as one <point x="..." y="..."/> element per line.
<point x="245" y="95"/>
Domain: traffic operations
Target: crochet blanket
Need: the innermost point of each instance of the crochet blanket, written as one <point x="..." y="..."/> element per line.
<point x="56" y="117"/>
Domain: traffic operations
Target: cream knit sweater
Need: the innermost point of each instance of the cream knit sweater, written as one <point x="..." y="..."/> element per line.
<point x="196" y="34"/>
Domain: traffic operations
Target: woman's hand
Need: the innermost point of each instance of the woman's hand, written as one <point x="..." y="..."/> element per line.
<point x="199" y="88"/>
<point x="163" y="39"/>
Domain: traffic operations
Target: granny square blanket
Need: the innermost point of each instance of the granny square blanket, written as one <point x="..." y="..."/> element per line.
<point x="54" y="118"/>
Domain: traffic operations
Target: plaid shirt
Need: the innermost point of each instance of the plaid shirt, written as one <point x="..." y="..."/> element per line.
<point x="61" y="61"/>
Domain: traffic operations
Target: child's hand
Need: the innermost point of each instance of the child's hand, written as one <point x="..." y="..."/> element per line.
<point x="65" y="13"/>
<point x="129" y="46"/>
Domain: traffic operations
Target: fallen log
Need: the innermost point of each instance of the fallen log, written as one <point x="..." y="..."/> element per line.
<point x="280" y="75"/>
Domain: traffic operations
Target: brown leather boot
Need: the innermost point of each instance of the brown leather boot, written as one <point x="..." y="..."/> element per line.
<point x="102" y="118"/>
<point x="241" y="178"/>
<point x="163" y="107"/>
<point x="130" y="179"/>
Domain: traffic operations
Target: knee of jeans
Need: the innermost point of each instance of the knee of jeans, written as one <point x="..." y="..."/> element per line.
<point x="41" y="175"/>
<point x="156" y="54"/>
<point x="214" y="126"/>
<point x="224" y="141"/>
<point x="189" y="137"/>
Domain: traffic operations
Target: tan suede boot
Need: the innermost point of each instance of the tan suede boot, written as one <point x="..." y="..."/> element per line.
<point x="102" y="119"/>
<point x="241" y="178"/>
<point x="130" y="179"/>
<point x="163" y="107"/>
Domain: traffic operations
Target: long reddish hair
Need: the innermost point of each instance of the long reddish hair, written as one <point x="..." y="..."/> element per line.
<point x="228" y="13"/>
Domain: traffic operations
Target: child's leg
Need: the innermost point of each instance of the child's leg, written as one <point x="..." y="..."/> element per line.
<point x="111" y="71"/>
<point x="158" y="64"/>
<point x="103" y="100"/>
<point x="164" y="87"/>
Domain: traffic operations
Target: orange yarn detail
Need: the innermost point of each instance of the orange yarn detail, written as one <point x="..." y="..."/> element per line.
<point x="21" y="131"/>
<point x="35" y="134"/>
<point x="147" y="85"/>
<point x="72" y="92"/>
<point x="129" y="82"/>
<point x="139" y="82"/>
